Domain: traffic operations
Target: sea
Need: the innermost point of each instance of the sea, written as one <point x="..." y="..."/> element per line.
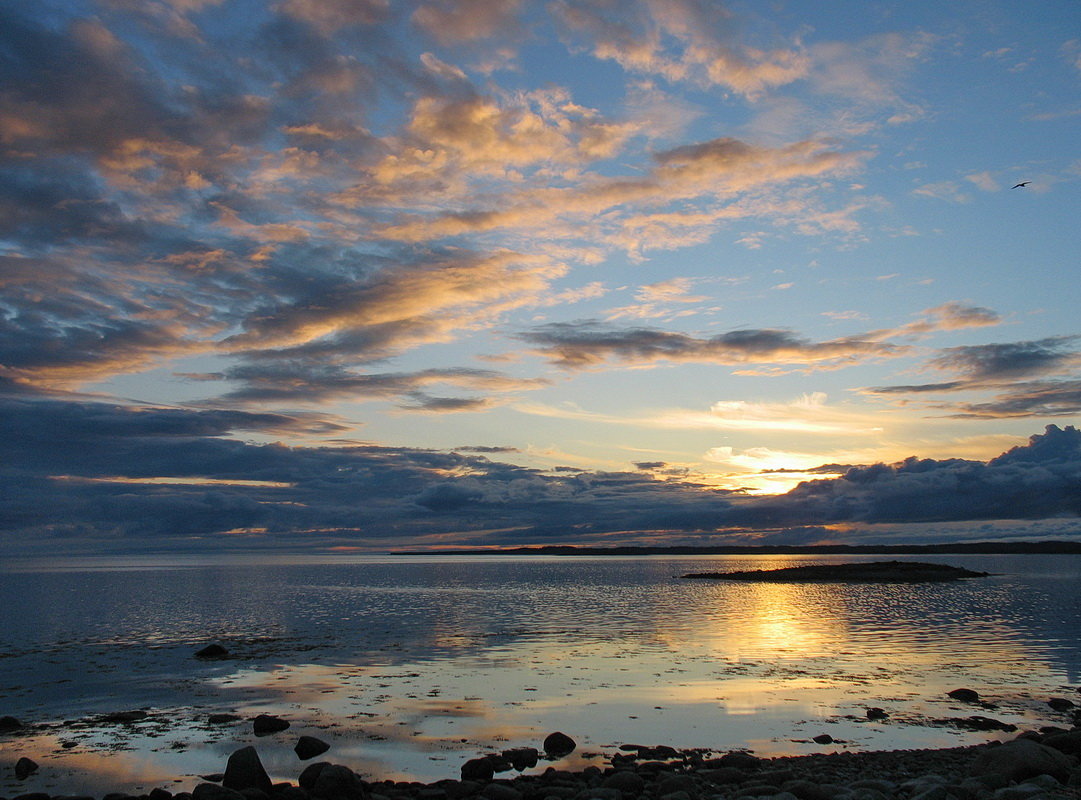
<point x="408" y="666"/>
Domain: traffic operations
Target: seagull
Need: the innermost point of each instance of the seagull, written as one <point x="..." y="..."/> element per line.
<point x="1021" y="185"/>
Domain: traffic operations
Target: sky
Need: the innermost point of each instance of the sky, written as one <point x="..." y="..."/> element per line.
<point x="361" y="274"/>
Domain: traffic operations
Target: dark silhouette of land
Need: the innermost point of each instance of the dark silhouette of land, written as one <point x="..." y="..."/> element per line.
<point x="870" y="572"/>
<point x="956" y="548"/>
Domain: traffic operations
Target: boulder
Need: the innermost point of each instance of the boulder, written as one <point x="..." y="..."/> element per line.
<point x="557" y="745"/>
<point x="965" y="695"/>
<point x="499" y="791"/>
<point x="979" y="723"/>
<point x="244" y="770"/>
<point x="337" y="782"/>
<point x="877" y="713"/>
<point x="1068" y="742"/>
<point x="822" y="738"/>
<point x="212" y="651"/>
<point x="310" y="773"/>
<point x="1060" y="704"/>
<point x="9" y="724"/>
<point x="478" y="769"/>
<point x="310" y="747"/>
<point x="1020" y="759"/>
<point x="24" y="768"/>
<point x="265" y="724"/>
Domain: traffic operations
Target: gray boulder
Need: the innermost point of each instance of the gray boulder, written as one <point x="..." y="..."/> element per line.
<point x="1020" y="759"/>
<point x="244" y="770"/>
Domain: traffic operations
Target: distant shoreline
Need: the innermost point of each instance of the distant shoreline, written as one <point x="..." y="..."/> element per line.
<point x="963" y="548"/>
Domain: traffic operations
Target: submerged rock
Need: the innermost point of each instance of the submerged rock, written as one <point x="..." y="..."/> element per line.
<point x="212" y="651"/>
<point x="1060" y="704"/>
<point x="877" y="713"/>
<point x="869" y="572"/>
<point x="9" y="724"/>
<point x="964" y="695"/>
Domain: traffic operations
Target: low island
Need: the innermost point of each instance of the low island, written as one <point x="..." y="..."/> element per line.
<point x="869" y="572"/>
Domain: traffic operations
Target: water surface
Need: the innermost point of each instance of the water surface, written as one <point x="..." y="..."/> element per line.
<point x="408" y="666"/>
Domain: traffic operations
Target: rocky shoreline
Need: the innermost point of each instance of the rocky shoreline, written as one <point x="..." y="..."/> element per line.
<point x="1035" y="765"/>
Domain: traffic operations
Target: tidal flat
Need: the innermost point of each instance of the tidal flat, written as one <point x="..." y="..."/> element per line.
<point x="409" y="668"/>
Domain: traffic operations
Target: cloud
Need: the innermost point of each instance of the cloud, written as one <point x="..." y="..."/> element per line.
<point x="1007" y="369"/>
<point x="452" y="22"/>
<point x="942" y="190"/>
<point x="586" y="344"/>
<point x="330" y="16"/>
<point x="110" y="477"/>
<point x="680" y="40"/>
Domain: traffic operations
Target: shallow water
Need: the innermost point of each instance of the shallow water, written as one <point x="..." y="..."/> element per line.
<point x="408" y="666"/>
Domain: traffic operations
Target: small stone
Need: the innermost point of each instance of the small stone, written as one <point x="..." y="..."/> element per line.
<point x="877" y="713"/>
<point x="965" y="695"/>
<point x="212" y="651"/>
<point x="310" y="747"/>
<point x="557" y="745"/>
<point x="24" y="768"/>
<point x="265" y="724"/>
<point x="244" y="770"/>
<point x="823" y="738"/>
<point x="1060" y="704"/>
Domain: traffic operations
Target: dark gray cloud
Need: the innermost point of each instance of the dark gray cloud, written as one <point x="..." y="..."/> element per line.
<point x="1003" y="368"/>
<point x="143" y="478"/>
<point x="575" y="345"/>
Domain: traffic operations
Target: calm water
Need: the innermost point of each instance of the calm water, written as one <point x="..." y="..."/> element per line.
<point x="410" y="666"/>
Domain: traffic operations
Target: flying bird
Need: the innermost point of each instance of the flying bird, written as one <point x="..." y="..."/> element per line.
<point x="1021" y="185"/>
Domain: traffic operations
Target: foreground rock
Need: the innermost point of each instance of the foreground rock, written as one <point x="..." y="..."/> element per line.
<point x="244" y="770"/>
<point x="1026" y="768"/>
<point x="870" y="572"/>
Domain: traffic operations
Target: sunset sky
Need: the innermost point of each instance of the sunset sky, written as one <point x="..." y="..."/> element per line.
<point x="362" y="273"/>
